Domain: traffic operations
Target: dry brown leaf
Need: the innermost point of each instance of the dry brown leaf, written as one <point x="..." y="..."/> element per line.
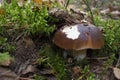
<point x="61" y="2"/>
<point x="70" y="60"/>
<point x="38" y="2"/>
<point x="105" y="11"/>
<point x="76" y="71"/>
<point x="71" y="6"/>
<point x="28" y="42"/>
<point x="20" y="3"/>
<point x="116" y="72"/>
<point x="7" y="74"/>
<point x="30" y="68"/>
<point x="2" y="11"/>
<point x="115" y="13"/>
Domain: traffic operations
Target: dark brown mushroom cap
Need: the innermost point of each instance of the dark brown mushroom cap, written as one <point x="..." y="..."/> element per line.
<point x="78" y="37"/>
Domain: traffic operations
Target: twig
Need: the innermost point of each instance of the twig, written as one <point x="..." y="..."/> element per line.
<point x="100" y="58"/>
<point x="22" y="78"/>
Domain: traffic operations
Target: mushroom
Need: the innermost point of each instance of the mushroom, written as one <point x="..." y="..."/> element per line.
<point x="76" y="39"/>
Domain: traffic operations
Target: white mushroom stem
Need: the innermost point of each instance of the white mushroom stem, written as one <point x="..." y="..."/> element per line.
<point x="78" y="55"/>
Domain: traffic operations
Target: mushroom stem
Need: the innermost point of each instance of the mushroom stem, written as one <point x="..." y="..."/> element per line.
<point x="79" y="55"/>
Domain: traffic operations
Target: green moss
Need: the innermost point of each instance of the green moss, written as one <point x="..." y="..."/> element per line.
<point x="28" y="17"/>
<point x="111" y="29"/>
<point x="5" y="57"/>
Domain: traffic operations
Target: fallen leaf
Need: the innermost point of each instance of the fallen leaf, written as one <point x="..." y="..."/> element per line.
<point x="61" y="2"/>
<point x="76" y="71"/>
<point x="30" y="68"/>
<point x="28" y="42"/>
<point x="116" y="13"/>
<point x="7" y="74"/>
<point x="70" y="60"/>
<point x="105" y="11"/>
<point x="20" y="3"/>
<point x="38" y="2"/>
<point x="116" y="72"/>
<point x="2" y="11"/>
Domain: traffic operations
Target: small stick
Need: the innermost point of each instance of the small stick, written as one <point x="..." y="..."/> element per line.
<point x="99" y="58"/>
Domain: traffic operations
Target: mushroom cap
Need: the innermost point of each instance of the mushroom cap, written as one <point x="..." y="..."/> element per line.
<point x="78" y="37"/>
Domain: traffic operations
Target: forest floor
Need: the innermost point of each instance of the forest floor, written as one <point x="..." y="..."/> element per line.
<point x="37" y="58"/>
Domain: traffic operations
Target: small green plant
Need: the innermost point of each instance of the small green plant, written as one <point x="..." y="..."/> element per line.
<point x="110" y="61"/>
<point x="111" y="29"/>
<point x="56" y="63"/>
<point x="86" y="74"/>
<point x="5" y="46"/>
<point x="37" y="77"/>
<point x="5" y="57"/>
<point x="32" y="19"/>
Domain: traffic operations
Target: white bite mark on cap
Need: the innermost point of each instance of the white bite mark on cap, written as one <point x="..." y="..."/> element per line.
<point x="71" y="32"/>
